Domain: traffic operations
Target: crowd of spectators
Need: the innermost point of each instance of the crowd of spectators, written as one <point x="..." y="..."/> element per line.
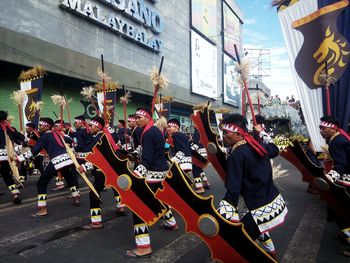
<point x="275" y="100"/>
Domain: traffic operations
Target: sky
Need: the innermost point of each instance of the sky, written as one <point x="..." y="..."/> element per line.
<point x="261" y="29"/>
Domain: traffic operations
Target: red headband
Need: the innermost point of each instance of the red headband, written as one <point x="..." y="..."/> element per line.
<point x="44" y="123"/>
<point x="333" y="126"/>
<point x="97" y="124"/>
<point x="249" y="139"/>
<point x="143" y="113"/>
<point x="328" y="125"/>
<point x="173" y="124"/>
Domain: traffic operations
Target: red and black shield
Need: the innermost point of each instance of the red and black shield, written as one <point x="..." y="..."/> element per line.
<point x="210" y="141"/>
<point x="227" y="241"/>
<point x="135" y="192"/>
<point x="198" y="159"/>
<point x="334" y="195"/>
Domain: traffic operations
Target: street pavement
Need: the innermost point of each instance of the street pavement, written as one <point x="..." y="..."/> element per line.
<point x="306" y="236"/>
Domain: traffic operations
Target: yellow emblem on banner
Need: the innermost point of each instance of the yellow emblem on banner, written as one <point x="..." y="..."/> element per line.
<point x="331" y="51"/>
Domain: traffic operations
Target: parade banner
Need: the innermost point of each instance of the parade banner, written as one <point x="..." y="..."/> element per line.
<point x="163" y="109"/>
<point x="204" y="67"/>
<point x="111" y="100"/>
<point x="329" y="24"/>
<point x="33" y="89"/>
<point x="340" y="92"/>
<point x="323" y="45"/>
<point x="232" y="91"/>
<point x="310" y="99"/>
<point x="204" y="17"/>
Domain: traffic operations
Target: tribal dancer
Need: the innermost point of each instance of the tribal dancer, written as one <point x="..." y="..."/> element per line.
<point x="200" y="179"/>
<point x="181" y="148"/>
<point x="52" y="142"/>
<point x="249" y="174"/>
<point x="339" y="149"/>
<point x="33" y="136"/>
<point x="97" y="129"/>
<point x="5" y="169"/>
<point x="153" y="168"/>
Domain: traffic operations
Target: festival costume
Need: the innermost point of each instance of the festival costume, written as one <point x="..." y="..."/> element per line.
<point x="123" y="134"/>
<point x="181" y="151"/>
<point x="33" y="136"/>
<point x="249" y="174"/>
<point x="153" y="168"/>
<point x="5" y="169"/>
<point x="200" y="179"/>
<point x="99" y="185"/>
<point x="339" y="150"/>
<point x="51" y="142"/>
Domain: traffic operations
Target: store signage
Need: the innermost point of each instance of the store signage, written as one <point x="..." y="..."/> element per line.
<point x="132" y="19"/>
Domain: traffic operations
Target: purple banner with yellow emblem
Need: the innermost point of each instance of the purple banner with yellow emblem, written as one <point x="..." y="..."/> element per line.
<point x="33" y="89"/>
<point x="111" y="100"/>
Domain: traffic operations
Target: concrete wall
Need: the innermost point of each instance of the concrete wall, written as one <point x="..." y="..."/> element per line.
<point x="40" y="32"/>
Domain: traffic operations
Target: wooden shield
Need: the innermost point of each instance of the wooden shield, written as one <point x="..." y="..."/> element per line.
<point x="227" y="241"/>
<point x="210" y="141"/>
<point x="334" y="195"/>
<point x="135" y="192"/>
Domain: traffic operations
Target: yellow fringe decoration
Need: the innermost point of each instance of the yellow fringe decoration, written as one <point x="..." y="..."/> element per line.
<point x="36" y="72"/>
<point x="222" y="110"/>
<point x="110" y="86"/>
<point x="200" y="106"/>
<point x="165" y="99"/>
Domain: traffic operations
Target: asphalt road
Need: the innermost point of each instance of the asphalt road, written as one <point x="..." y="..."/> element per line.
<point x="306" y="236"/>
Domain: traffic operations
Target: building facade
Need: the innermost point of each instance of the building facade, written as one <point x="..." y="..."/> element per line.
<point x="67" y="38"/>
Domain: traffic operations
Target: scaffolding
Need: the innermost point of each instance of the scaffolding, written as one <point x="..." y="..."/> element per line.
<point x="259" y="60"/>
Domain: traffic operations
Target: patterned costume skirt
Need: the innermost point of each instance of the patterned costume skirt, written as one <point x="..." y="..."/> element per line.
<point x="270" y="215"/>
<point x="61" y="161"/>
